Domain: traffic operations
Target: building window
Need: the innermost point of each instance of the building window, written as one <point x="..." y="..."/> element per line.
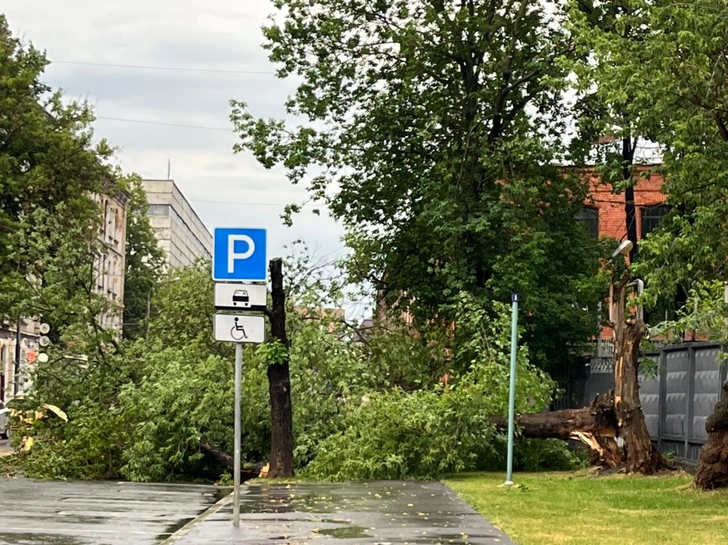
<point x="158" y="210"/>
<point x="652" y="217"/>
<point x="590" y="218"/>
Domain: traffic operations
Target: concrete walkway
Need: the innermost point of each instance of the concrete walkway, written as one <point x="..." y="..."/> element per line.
<point x="96" y="513"/>
<point x="381" y="513"/>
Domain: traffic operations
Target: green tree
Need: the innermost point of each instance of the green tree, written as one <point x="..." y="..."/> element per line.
<point x="48" y="162"/>
<point x="144" y="261"/>
<point x="432" y="130"/>
<point x="684" y="76"/>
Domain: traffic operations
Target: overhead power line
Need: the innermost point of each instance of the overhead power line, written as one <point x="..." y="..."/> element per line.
<point x="167" y="68"/>
<point x="281" y="204"/>
<point x="146" y="122"/>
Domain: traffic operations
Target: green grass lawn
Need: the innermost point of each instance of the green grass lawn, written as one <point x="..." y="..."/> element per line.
<point x="574" y="508"/>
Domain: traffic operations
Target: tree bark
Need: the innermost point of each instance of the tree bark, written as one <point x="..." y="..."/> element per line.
<point x="639" y="455"/>
<point x="595" y="426"/>
<point x="713" y="462"/>
<point x="279" y="383"/>
<point x="225" y="460"/>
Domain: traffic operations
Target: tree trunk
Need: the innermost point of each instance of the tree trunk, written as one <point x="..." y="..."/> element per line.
<point x="225" y="460"/>
<point x="595" y="426"/>
<point x="630" y="210"/>
<point x="713" y="462"/>
<point x="639" y="455"/>
<point x="618" y="416"/>
<point x="279" y="383"/>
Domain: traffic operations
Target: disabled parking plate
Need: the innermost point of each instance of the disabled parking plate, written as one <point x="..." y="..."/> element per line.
<point x="239" y="328"/>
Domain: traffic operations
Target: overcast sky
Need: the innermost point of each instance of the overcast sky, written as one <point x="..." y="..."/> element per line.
<point x="225" y="189"/>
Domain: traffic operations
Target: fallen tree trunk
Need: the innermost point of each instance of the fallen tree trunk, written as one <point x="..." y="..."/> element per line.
<point x="225" y="460"/>
<point x="713" y="462"/>
<point x="598" y="418"/>
<point x="595" y="426"/>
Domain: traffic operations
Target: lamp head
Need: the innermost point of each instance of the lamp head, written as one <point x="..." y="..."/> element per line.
<point x="624" y="248"/>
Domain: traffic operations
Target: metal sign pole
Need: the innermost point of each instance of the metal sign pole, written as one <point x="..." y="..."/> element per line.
<point x="512" y="390"/>
<point x="236" y="462"/>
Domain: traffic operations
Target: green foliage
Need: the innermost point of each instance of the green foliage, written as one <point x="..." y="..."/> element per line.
<point x="273" y="352"/>
<point x="656" y="72"/>
<point x="144" y="261"/>
<point x="49" y="167"/>
<point x="547" y="455"/>
<point x="183" y="399"/>
<point x="435" y="429"/>
<point x="182" y="310"/>
<point x="533" y="455"/>
<point x="151" y="410"/>
<point x="434" y="129"/>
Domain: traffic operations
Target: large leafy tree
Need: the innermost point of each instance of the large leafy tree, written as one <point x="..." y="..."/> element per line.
<point x="48" y="160"/>
<point x="432" y="129"/>
<point x="144" y="261"/>
<point x="662" y="66"/>
<point x="685" y="77"/>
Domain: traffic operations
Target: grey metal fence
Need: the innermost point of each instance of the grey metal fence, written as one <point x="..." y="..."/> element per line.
<point x="677" y="401"/>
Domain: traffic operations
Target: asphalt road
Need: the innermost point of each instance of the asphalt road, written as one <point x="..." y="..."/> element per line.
<point x="96" y="513"/>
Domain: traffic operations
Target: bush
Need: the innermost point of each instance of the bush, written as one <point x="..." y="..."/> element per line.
<point x="534" y="455"/>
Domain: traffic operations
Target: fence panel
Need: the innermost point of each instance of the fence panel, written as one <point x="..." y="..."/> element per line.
<point x="677" y="384"/>
<point x="706" y="390"/>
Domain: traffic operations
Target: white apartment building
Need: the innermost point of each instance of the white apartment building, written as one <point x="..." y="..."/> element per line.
<point x="179" y="230"/>
<point x="111" y="266"/>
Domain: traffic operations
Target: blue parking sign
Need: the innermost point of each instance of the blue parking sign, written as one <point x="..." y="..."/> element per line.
<point x="239" y="254"/>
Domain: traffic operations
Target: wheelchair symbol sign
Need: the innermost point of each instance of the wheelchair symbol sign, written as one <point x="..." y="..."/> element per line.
<point x="244" y="328"/>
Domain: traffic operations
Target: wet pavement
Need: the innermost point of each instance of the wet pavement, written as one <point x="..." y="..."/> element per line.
<point x="96" y="513"/>
<point x="381" y="513"/>
<point x="109" y="513"/>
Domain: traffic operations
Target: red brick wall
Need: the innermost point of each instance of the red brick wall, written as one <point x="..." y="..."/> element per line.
<point x="612" y="219"/>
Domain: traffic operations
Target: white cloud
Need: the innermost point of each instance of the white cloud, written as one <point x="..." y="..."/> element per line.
<point x="201" y="34"/>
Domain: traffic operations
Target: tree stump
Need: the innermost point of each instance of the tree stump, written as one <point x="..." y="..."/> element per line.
<point x="713" y="462"/>
<point x="638" y="453"/>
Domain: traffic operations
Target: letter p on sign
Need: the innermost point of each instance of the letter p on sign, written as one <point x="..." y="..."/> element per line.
<point x="233" y="255"/>
<point x="239" y="255"/>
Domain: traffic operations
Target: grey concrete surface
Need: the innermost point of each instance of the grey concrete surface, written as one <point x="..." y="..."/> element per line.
<point x="5" y="448"/>
<point x="96" y="513"/>
<point x="352" y="513"/>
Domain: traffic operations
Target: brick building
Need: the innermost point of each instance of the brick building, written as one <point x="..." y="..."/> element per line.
<point x="604" y="215"/>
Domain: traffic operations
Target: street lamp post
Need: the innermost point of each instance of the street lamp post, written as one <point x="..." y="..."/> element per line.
<point x="512" y="390"/>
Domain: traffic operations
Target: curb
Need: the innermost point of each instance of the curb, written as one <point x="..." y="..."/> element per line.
<point x="187" y="528"/>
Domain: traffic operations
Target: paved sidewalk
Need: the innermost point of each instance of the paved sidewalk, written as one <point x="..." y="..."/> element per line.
<point x="96" y="513"/>
<point x="381" y="513"/>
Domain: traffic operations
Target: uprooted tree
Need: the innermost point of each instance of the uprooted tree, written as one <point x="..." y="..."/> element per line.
<point x="613" y="426"/>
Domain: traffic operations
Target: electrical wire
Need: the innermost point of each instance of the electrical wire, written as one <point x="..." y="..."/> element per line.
<point x="146" y="122"/>
<point x="166" y="68"/>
